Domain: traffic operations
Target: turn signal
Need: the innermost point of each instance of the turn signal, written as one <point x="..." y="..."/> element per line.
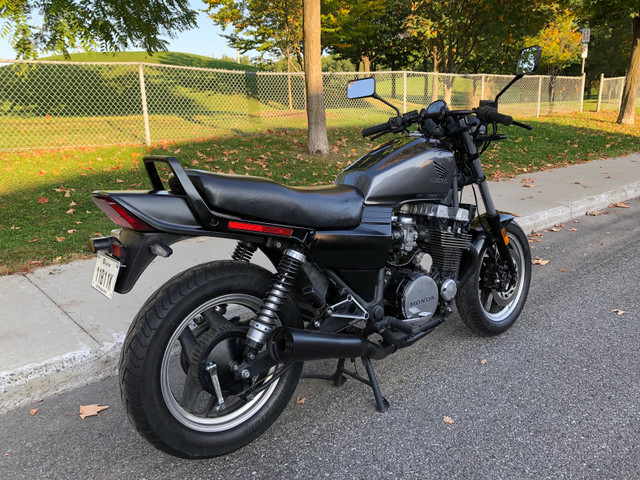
<point x="505" y="237"/>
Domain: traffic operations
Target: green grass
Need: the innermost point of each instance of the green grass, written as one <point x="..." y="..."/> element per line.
<point x="165" y="58"/>
<point x="47" y="216"/>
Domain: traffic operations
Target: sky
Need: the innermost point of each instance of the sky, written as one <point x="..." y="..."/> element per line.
<point x="203" y="40"/>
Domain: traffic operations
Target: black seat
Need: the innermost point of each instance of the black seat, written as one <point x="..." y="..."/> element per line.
<point x="322" y="207"/>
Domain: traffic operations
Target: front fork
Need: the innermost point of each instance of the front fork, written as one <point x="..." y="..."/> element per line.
<point x="498" y="233"/>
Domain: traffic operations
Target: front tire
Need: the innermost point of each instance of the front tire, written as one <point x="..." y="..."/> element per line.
<point x="201" y="317"/>
<point x="490" y="310"/>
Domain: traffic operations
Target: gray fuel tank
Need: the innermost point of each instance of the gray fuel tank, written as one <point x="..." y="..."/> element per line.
<point x="402" y="169"/>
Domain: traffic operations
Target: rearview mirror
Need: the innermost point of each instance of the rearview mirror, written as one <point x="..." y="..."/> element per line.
<point x="365" y="87"/>
<point x="529" y="60"/>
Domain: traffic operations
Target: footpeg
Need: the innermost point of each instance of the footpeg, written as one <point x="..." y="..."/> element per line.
<point x="401" y="326"/>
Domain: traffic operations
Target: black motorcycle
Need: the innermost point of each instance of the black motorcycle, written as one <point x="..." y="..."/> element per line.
<point x="365" y="267"/>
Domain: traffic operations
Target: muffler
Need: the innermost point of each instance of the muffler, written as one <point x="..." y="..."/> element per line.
<point x="292" y="345"/>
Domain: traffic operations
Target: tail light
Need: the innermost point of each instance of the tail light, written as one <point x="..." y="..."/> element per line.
<point x="121" y="216"/>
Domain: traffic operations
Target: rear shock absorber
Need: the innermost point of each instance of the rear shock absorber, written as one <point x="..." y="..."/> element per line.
<point x="244" y="251"/>
<point x="263" y="325"/>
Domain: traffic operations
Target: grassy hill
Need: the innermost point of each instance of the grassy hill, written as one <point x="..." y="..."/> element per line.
<point x="165" y="58"/>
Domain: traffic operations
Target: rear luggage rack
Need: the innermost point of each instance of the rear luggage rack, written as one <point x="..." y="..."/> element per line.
<point x="202" y="211"/>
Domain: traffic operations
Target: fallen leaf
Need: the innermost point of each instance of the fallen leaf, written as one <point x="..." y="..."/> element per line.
<point x="563" y="269"/>
<point x="60" y="239"/>
<point x="595" y="213"/>
<point x="33" y="240"/>
<point x="119" y="180"/>
<point x="70" y="211"/>
<point x="619" y="205"/>
<point x="301" y="400"/>
<point x="13" y="227"/>
<point x="561" y="225"/>
<point x="448" y="420"/>
<point x="42" y="200"/>
<point x="72" y="230"/>
<point x="618" y="311"/>
<point x="572" y="229"/>
<point x="33" y="411"/>
<point x="555" y="229"/>
<point x="539" y="261"/>
<point x="527" y="180"/>
<point x="91" y="410"/>
<point x="73" y="204"/>
<point x="483" y="361"/>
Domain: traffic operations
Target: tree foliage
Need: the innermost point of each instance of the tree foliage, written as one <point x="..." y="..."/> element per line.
<point x="454" y="31"/>
<point x="560" y="41"/>
<point x="270" y="27"/>
<point x="58" y="26"/>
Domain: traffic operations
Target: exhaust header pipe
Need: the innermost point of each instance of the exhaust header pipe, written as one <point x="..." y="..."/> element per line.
<point x="293" y="345"/>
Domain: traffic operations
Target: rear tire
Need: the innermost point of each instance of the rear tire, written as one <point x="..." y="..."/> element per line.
<point x="202" y="313"/>
<point x="483" y="308"/>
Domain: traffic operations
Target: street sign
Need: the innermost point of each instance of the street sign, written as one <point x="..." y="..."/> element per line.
<point x="585" y="50"/>
<point x="586" y="36"/>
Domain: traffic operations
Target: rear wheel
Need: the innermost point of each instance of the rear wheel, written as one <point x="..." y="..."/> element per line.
<point x="492" y="299"/>
<point x="195" y="325"/>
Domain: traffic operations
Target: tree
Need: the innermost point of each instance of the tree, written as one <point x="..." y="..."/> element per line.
<point x="316" y="119"/>
<point x="629" y="10"/>
<point x="353" y="29"/>
<point x="454" y="32"/>
<point x="560" y="42"/>
<point x="271" y="27"/>
<point x="58" y="26"/>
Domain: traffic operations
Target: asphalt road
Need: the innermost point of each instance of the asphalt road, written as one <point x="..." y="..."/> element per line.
<point x="558" y="396"/>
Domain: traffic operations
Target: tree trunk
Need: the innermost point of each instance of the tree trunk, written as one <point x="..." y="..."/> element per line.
<point x="289" y="81"/>
<point x="316" y="119"/>
<point x="628" y="105"/>
<point x="436" y="61"/>
<point x="366" y="62"/>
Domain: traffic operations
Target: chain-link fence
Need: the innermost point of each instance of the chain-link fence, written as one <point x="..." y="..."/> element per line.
<point x="610" y="93"/>
<point x="68" y="104"/>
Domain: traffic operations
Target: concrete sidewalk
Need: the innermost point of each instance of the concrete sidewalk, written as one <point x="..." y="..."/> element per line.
<point x="57" y="333"/>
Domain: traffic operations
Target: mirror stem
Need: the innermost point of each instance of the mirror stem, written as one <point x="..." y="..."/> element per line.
<point x="515" y="79"/>
<point x="378" y="97"/>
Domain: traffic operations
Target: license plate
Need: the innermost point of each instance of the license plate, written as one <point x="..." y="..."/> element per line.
<point x="105" y="274"/>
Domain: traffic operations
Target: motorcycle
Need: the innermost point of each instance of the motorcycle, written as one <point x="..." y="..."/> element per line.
<point x="365" y="267"/>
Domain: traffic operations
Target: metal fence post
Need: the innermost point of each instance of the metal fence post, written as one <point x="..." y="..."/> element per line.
<point x="621" y="92"/>
<point x="584" y="78"/>
<point x="539" y="95"/>
<point x="404" y="89"/>
<point x="600" y="88"/>
<point x="145" y="113"/>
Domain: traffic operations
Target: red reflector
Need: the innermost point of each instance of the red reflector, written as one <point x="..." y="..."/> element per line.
<point x="252" y="227"/>
<point x="120" y="216"/>
<point x="116" y="249"/>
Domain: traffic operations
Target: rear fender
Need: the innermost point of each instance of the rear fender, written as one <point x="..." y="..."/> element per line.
<point x="135" y="252"/>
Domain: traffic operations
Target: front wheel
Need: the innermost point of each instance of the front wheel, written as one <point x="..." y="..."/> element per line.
<point x="492" y="299"/>
<point x="192" y="330"/>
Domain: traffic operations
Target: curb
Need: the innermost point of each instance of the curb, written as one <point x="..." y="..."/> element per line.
<point x="569" y="211"/>
<point x="35" y="382"/>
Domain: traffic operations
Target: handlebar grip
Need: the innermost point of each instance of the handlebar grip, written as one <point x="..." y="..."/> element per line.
<point x="491" y="115"/>
<point x="383" y="127"/>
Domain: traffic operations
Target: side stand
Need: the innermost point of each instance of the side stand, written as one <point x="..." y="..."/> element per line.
<point x="338" y="378"/>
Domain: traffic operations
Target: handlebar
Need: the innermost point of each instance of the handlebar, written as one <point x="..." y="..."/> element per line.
<point x="490" y="114"/>
<point x="383" y="127"/>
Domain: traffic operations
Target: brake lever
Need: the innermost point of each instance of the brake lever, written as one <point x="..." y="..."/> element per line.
<point x="522" y="125"/>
